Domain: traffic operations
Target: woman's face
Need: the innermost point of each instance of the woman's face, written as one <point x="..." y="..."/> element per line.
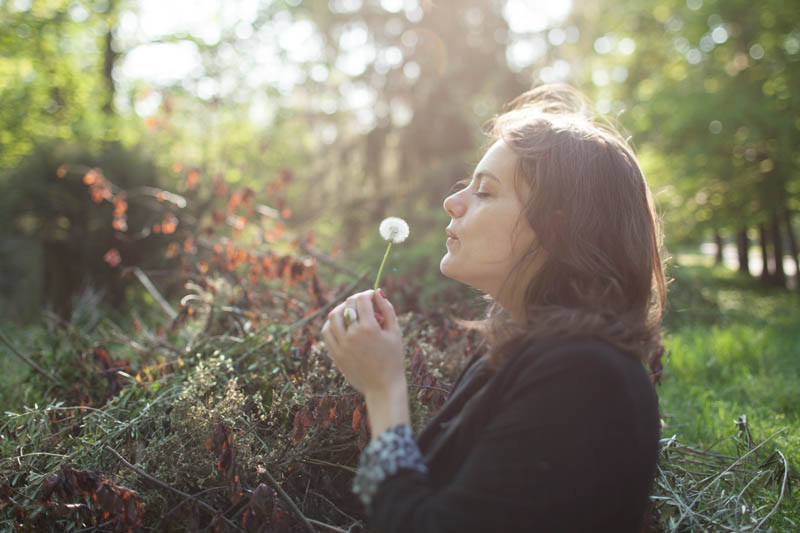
<point x="488" y="240"/>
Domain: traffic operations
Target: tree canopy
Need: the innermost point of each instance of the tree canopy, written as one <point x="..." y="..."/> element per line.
<point x="377" y="106"/>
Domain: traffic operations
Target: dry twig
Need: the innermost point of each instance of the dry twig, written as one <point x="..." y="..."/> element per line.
<point x="29" y="361"/>
<point x="710" y="490"/>
<point x="142" y="277"/>
<point x="323" y="309"/>
<point x="295" y="509"/>
<point x="173" y="489"/>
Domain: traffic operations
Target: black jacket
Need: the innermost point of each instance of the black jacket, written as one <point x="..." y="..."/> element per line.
<point x="562" y="437"/>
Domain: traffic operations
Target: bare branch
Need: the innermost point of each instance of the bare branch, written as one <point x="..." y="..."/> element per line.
<point x="323" y="309"/>
<point x="173" y="489"/>
<point x="142" y="277"/>
<point x="326" y="260"/>
<point x="295" y="509"/>
<point x="29" y="361"/>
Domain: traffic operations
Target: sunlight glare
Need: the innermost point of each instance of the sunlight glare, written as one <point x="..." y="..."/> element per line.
<point x="524" y="52"/>
<point x="302" y="42"/>
<point x="392" y="6"/>
<point x="162" y="63"/>
<point x="148" y="105"/>
<point x="528" y="16"/>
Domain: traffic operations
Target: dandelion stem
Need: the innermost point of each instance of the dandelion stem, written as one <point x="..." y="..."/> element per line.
<point x="380" y="270"/>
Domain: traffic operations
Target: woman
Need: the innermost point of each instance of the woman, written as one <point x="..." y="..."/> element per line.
<point x="557" y="428"/>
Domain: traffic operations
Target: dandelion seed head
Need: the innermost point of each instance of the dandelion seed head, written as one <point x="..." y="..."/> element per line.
<point x="394" y="229"/>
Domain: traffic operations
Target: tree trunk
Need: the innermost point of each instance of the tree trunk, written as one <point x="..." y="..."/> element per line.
<point x="719" y="243"/>
<point x="787" y="220"/>
<point x="742" y="246"/>
<point x="779" y="276"/>
<point x="109" y="59"/>
<point x="374" y="148"/>
<point x="762" y="238"/>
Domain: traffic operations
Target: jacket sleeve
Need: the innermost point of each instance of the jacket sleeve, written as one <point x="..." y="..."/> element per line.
<point x="563" y="449"/>
<point x="394" y="449"/>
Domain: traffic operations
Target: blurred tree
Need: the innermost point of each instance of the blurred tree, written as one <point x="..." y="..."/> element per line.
<point x="705" y="84"/>
<point x="46" y="200"/>
<point x="57" y="59"/>
<point x="408" y="85"/>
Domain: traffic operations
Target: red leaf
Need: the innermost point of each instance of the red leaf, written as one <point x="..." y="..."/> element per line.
<point x="169" y="224"/>
<point x="112" y="257"/>
<point x="357" y="419"/>
<point x="299" y="430"/>
<point x="93" y="176"/>
<point x="172" y="250"/>
<point x="120" y="223"/>
<point x="120" y="205"/>
<point x="191" y="179"/>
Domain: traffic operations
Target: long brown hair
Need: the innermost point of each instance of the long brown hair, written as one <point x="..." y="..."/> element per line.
<point x="597" y="236"/>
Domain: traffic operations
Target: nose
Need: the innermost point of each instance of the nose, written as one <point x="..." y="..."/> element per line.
<point x="454" y="205"/>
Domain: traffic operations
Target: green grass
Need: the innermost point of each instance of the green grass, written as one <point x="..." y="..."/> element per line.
<point x="15" y="371"/>
<point x="734" y="349"/>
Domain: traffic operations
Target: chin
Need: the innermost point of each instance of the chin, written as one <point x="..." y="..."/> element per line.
<point x="444" y="265"/>
<point x="447" y="272"/>
<point x="443" y="269"/>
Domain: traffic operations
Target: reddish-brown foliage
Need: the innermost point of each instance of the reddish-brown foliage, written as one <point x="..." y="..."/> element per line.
<point x="111" y="369"/>
<point x="430" y="393"/>
<point x="229" y="238"/>
<point x="263" y="512"/>
<point x="262" y="506"/>
<point x="109" y="502"/>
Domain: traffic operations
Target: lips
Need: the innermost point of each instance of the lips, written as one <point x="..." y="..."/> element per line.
<point x="450" y="234"/>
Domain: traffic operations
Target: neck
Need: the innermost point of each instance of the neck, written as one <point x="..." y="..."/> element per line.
<point x="514" y="306"/>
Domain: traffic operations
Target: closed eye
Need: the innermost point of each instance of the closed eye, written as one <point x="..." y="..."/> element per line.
<point x="481" y="194"/>
<point x="459" y="185"/>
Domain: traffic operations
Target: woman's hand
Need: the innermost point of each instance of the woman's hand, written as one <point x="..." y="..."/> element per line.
<point x="369" y="352"/>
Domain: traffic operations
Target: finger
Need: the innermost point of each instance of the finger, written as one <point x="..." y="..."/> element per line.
<point x="338" y="309"/>
<point x="386" y="308"/>
<point x="336" y="319"/>
<point x="329" y="336"/>
<point x="366" y="313"/>
<point x="367" y="292"/>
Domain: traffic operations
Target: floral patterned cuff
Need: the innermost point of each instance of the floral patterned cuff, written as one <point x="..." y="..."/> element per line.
<point x="394" y="449"/>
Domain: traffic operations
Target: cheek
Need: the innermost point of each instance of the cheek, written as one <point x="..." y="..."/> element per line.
<point x="522" y="238"/>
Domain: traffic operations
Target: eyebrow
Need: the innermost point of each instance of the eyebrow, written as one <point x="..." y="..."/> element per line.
<point x="487" y="174"/>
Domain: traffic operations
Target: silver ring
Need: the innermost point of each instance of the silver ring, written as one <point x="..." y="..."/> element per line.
<point x="350" y="316"/>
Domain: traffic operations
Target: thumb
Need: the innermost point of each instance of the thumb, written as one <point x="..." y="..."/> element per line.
<point x="385" y="308"/>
